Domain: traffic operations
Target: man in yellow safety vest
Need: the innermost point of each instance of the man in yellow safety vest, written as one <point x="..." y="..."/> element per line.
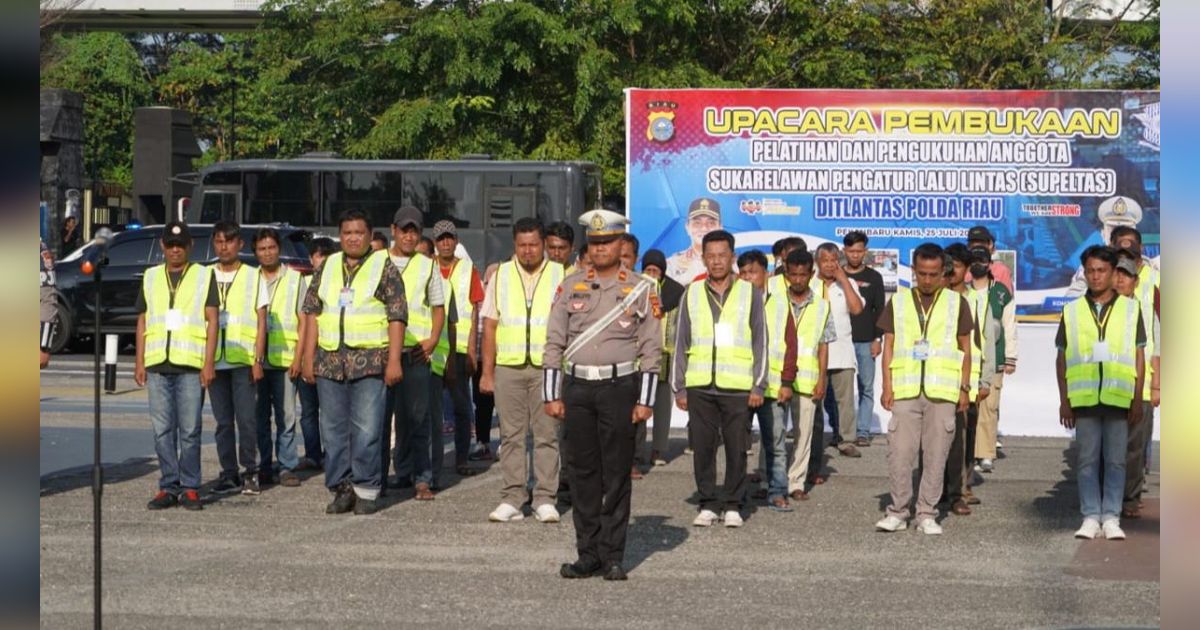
<point x="926" y="379"/>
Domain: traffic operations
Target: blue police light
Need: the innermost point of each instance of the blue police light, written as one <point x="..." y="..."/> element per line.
<point x="133" y="225"/>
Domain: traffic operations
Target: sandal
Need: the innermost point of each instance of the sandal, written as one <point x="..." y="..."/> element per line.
<point x="799" y="495"/>
<point x="423" y="492"/>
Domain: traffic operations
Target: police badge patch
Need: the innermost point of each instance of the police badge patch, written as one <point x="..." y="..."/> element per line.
<point x="660" y="121"/>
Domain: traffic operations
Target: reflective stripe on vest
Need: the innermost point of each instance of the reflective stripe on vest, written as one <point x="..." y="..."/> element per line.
<point x="776" y="315"/>
<point x="521" y="328"/>
<point x="236" y="342"/>
<point x="1147" y="281"/>
<point x="417" y="275"/>
<point x="184" y="346"/>
<point x="362" y="324"/>
<point x="283" y="324"/>
<point x="459" y="285"/>
<point x="809" y="330"/>
<point x="939" y="375"/>
<point x="730" y="366"/>
<point x="1110" y="382"/>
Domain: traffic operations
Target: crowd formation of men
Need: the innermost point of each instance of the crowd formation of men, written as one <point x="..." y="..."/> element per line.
<point x="577" y="358"/>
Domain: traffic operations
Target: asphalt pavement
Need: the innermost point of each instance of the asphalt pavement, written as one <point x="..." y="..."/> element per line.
<point x="276" y="560"/>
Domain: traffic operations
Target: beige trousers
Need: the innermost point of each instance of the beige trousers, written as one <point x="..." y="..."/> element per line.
<point x="519" y="403"/>
<point x="802" y="408"/>
<point x="989" y="420"/>
<point x="844" y="392"/>
<point x="924" y="427"/>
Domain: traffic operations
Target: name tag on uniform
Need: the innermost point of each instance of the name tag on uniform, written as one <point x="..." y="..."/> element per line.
<point x="724" y="334"/>
<point x="223" y="319"/>
<point x="920" y="350"/>
<point x="174" y="320"/>
<point x="346" y="297"/>
<point x="1100" y="352"/>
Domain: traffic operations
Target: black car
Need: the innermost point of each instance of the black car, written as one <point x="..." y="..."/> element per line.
<point x="130" y="254"/>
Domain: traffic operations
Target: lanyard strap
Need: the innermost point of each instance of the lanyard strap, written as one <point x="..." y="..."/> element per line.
<point x="224" y="291"/>
<point x="1102" y="324"/>
<point x="172" y="288"/>
<point x="924" y="315"/>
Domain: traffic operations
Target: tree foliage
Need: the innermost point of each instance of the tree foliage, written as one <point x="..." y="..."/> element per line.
<point x="543" y="79"/>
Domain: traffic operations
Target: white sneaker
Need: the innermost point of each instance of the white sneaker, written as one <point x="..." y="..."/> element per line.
<point x="929" y="527"/>
<point x="986" y="465"/>
<point x="505" y="513"/>
<point x="999" y="445"/>
<point x="1112" y="530"/>
<point x="890" y="523"/>
<point x="705" y="518"/>
<point x="733" y="519"/>
<point x="546" y="513"/>
<point x="660" y="462"/>
<point x="1089" y="530"/>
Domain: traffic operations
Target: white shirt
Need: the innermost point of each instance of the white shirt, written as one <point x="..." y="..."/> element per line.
<point x="264" y="299"/>
<point x="841" y="350"/>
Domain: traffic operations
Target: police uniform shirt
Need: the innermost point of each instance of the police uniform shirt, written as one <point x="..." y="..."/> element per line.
<point x="584" y="298"/>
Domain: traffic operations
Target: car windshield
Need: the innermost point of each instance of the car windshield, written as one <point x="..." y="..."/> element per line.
<point x="77" y="254"/>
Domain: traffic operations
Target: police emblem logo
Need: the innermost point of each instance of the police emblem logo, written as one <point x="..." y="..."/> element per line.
<point x="598" y="222"/>
<point x="660" y="121"/>
<point x="1119" y="207"/>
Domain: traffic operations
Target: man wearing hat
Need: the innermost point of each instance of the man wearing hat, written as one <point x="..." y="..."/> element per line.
<point x="704" y="216"/>
<point x="654" y="266"/>
<point x="980" y="236"/>
<point x="176" y="341"/>
<point x="1113" y="213"/>
<point x="464" y="293"/>
<point x="996" y="314"/>
<point x="410" y="399"/>
<point x="602" y="356"/>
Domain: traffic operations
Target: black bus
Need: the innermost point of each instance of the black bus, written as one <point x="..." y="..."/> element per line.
<point x="482" y="197"/>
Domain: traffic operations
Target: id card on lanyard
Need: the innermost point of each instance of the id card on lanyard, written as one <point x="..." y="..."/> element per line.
<point x="224" y="294"/>
<point x="920" y="351"/>
<point x="174" y="315"/>
<point x="1100" y="351"/>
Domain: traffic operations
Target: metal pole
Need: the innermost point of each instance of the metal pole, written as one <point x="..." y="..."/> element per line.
<point x="97" y="473"/>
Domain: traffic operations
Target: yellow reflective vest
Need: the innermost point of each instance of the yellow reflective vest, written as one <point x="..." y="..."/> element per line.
<point x="775" y="313"/>
<point x="417" y="275"/>
<point x="521" y="327"/>
<point x="1090" y="379"/>
<point x="810" y="328"/>
<point x="360" y="322"/>
<point x="240" y="317"/>
<point x="926" y="360"/>
<point x="727" y="363"/>
<point x="1148" y="280"/>
<point x="978" y="302"/>
<point x="185" y="344"/>
<point x="459" y="285"/>
<point x="283" y="322"/>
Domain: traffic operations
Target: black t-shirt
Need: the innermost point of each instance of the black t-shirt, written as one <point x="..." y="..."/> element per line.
<point x="870" y="286"/>
<point x="213" y="300"/>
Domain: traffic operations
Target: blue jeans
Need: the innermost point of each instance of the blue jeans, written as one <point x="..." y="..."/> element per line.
<point x="774" y="439"/>
<point x="352" y="421"/>
<point x="175" y="405"/>
<point x="464" y="415"/>
<point x="277" y="392"/>
<point x="310" y="421"/>
<point x="830" y="405"/>
<point x="866" y="387"/>
<point x="1101" y="433"/>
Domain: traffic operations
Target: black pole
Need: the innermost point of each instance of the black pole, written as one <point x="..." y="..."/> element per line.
<point x="97" y="472"/>
<point x="233" y="117"/>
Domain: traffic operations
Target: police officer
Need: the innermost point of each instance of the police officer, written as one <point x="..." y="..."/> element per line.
<point x="49" y="306"/>
<point x="601" y="361"/>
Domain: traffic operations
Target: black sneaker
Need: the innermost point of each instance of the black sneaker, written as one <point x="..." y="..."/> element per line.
<point x="266" y="478"/>
<point x="227" y="485"/>
<point x="343" y="501"/>
<point x="289" y="479"/>
<point x="365" y="506"/>
<point x="615" y="573"/>
<point x="250" y="485"/>
<point x="190" y="500"/>
<point x="580" y="569"/>
<point x="162" y="501"/>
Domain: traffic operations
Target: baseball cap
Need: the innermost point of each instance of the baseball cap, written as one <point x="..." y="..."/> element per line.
<point x="980" y="254"/>
<point x="407" y="216"/>
<point x="444" y="227"/>
<point x="705" y="207"/>
<point x="980" y="233"/>
<point x="1128" y="266"/>
<point x="176" y="233"/>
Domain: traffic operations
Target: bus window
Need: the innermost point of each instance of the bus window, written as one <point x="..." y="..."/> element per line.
<point x="457" y="199"/>
<point x="592" y="194"/>
<point x="218" y="205"/>
<point x="507" y="205"/>
<point x="280" y="197"/>
<point x="376" y="193"/>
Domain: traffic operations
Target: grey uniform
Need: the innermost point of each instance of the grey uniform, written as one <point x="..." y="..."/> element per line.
<point x="49" y="306"/>
<point x="599" y="403"/>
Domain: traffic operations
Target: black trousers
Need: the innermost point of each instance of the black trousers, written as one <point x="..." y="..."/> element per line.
<point x="599" y="436"/>
<point x="962" y="452"/>
<point x="816" y="460"/>
<point x="711" y="418"/>
<point x="485" y="406"/>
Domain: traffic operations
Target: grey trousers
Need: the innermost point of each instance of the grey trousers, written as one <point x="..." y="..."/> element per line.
<point x="844" y="382"/>
<point x="519" y="402"/>
<point x="1140" y="435"/>
<point x="234" y="399"/>
<point x="919" y="426"/>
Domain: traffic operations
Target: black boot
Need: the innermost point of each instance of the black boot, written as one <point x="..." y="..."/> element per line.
<point x="343" y="501"/>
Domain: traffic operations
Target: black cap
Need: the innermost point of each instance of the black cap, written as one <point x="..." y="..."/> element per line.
<point x="407" y="216"/>
<point x="654" y="258"/>
<point x="980" y="233"/>
<point x="176" y="233"/>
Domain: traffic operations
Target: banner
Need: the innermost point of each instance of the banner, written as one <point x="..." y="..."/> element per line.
<point x="1047" y="173"/>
